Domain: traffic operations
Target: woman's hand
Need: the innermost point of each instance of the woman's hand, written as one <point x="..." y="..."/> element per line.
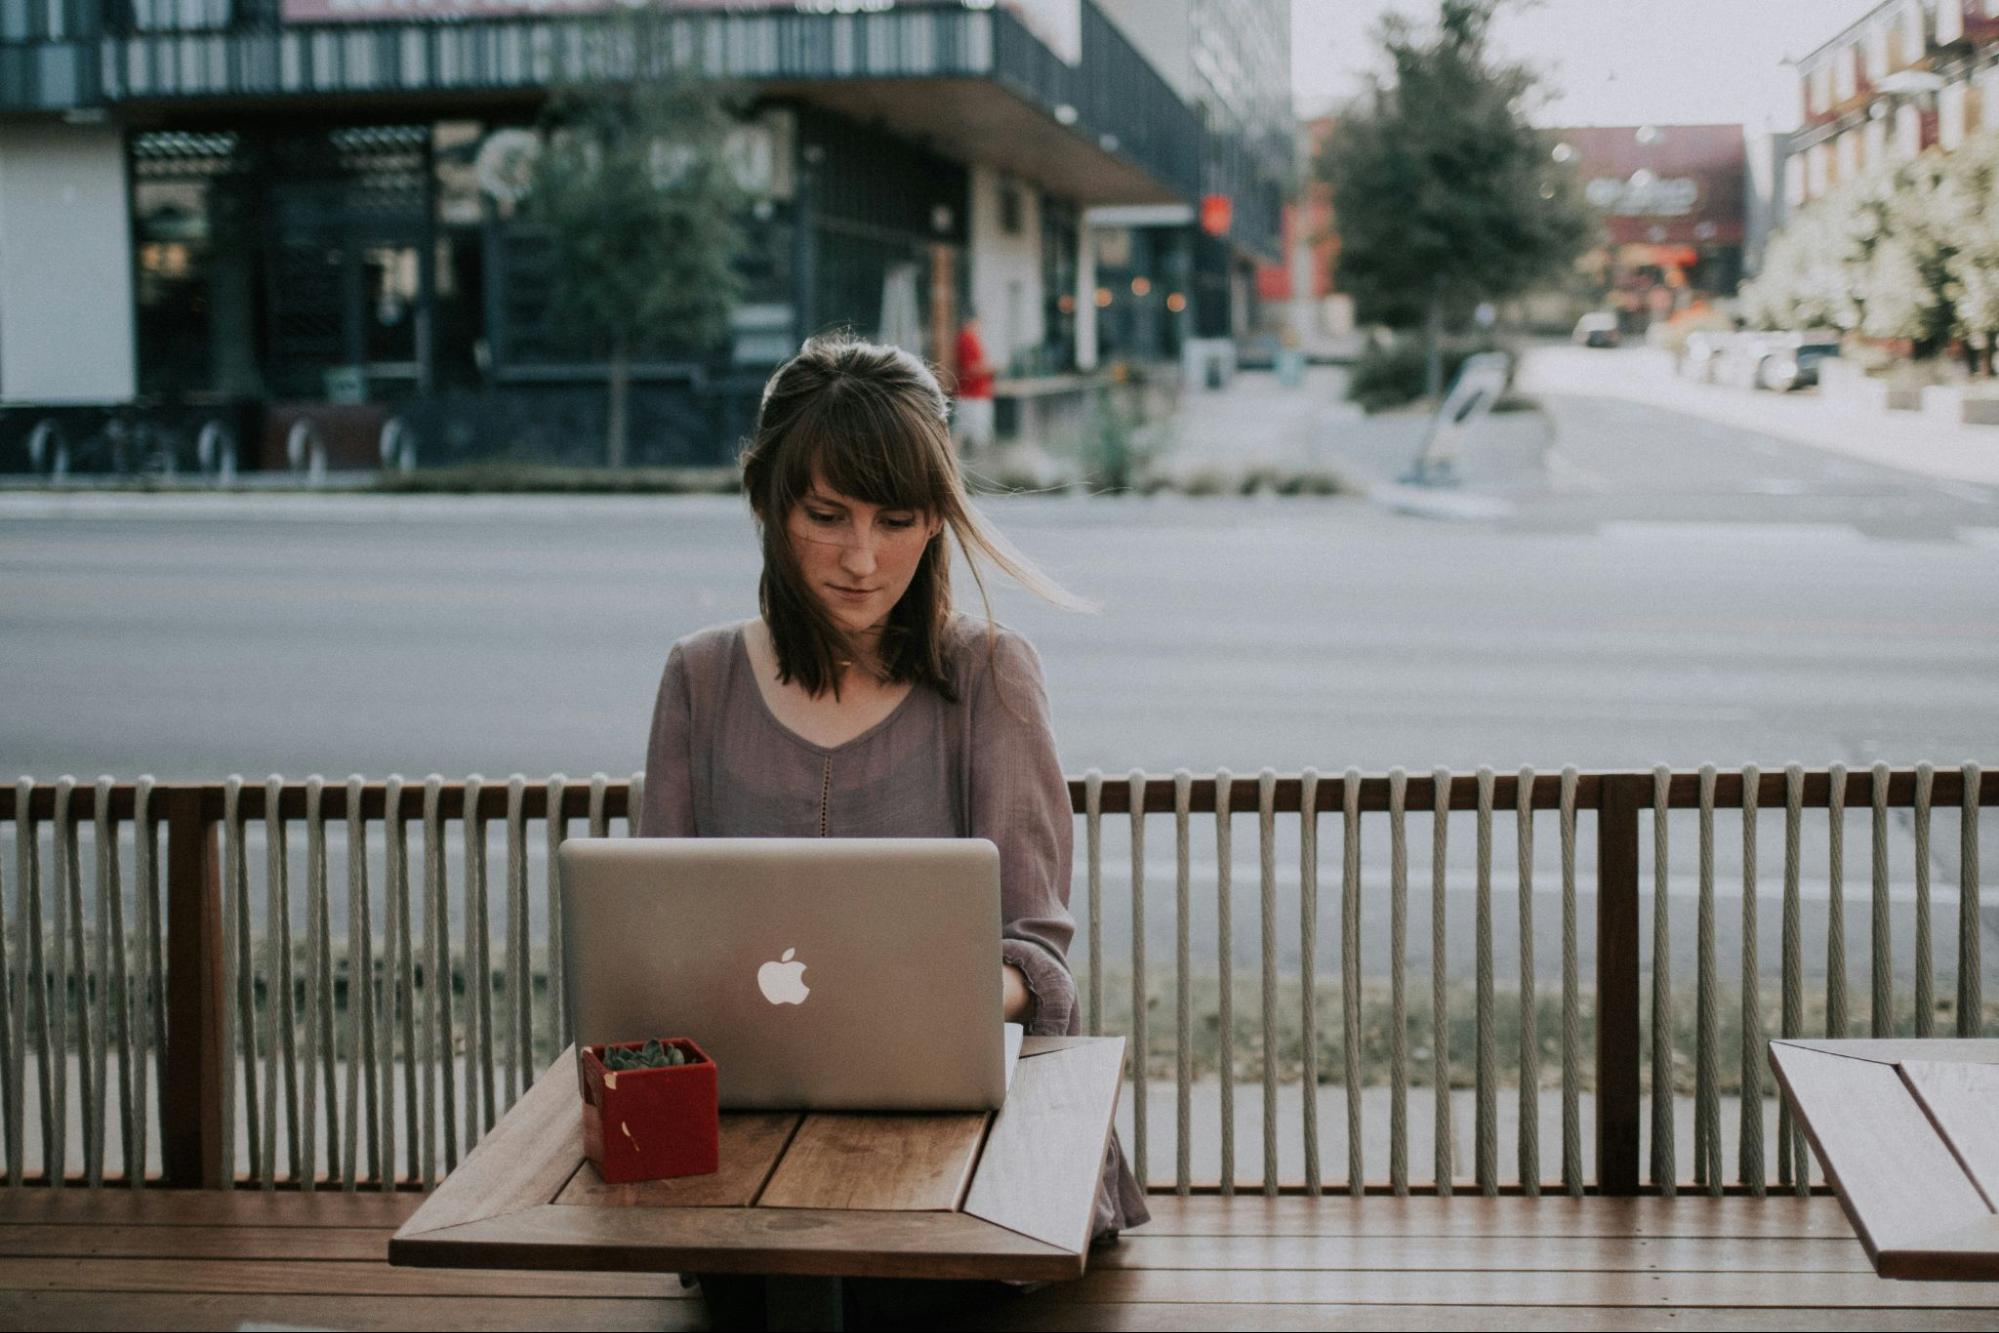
<point x="1018" y="1003"/>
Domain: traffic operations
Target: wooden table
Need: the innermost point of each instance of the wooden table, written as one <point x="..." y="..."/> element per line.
<point x="807" y="1198"/>
<point x="1908" y="1133"/>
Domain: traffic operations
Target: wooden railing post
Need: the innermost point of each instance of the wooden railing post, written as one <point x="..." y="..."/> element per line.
<point x="1618" y="1099"/>
<point x="191" y="1108"/>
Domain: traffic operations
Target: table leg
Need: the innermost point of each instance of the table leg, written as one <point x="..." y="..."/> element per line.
<point x="803" y="1303"/>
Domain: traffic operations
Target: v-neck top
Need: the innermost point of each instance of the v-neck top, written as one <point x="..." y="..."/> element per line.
<point x="719" y="764"/>
<point x="748" y="664"/>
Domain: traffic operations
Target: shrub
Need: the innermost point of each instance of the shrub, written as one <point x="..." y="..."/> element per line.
<point x="1391" y="376"/>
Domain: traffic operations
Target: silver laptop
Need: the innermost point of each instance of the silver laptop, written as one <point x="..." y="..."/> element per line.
<point x="820" y="973"/>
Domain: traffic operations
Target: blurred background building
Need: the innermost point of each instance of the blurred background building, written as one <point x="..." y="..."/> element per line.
<point x="1673" y="199"/>
<point x="1905" y="76"/>
<point x="250" y="211"/>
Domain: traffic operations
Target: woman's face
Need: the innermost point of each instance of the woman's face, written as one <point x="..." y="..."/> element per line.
<point x="857" y="559"/>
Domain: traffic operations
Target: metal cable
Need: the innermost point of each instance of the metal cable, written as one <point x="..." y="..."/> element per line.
<point x="277" y="949"/>
<point x="1707" y="1053"/>
<point x="1308" y="970"/>
<point x="31" y="993"/>
<point x="478" y="974"/>
<point x="520" y="993"/>
<point x="151" y="999"/>
<point x="1835" y="936"/>
<point x="1183" y="1010"/>
<point x="1225" y="947"/>
<point x="1970" y="981"/>
<point x="1440" y="1029"/>
<point x="1529" y="1142"/>
<point x="1664" y="1171"/>
<point x="1093" y="815"/>
<point x="108" y="995"/>
<point x="1398" y="999"/>
<point x="1140" y="1044"/>
<point x="1793" y="1165"/>
<point x="401" y="1010"/>
<point x="1485" y="1145"/>
<point x="1881" y="1012"/>
<point x="1925" y="979"/>
<point x="1350" y="973"/>
<point x="238" y="1027"/>
<point x="1266" y="824"/>
<point x="1572" y="1132"/>
<point x="557" y="825"/>
<point x="1749" y="1133"/>
<point x="361" y="1054"/>
<point x="69" y="966"/>
<point x="318" y="995"/>
<point x="440" y="1109"/>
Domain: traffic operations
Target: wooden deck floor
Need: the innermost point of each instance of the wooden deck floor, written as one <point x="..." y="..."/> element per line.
<point x="162" y="1260"/>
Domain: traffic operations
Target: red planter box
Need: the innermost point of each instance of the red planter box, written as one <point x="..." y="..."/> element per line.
<point x="650" y="1124"/>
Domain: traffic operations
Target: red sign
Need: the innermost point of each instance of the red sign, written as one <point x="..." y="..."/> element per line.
<point x="1216" y="212"/>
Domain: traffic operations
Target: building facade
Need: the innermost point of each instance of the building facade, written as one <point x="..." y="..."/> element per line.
<point x="1168" y="276"/>
<point x="253" y="211"/>
<point x="1674" y="205"/>
<point x="1906" y="76"/>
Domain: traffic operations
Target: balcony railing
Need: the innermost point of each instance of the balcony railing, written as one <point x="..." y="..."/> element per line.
<point x="247" y="1004"/>
<point x="1118" y="101"/>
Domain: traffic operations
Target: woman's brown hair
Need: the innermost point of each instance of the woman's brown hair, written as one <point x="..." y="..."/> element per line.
<point x="873" y="423"/>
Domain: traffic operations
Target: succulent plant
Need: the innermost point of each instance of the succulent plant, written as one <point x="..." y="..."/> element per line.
<point x="654" y="1055"/>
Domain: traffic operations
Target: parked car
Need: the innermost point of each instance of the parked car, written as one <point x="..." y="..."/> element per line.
<point x="1791" y="360"/>
<point x="1778" y="360"/>
<point x="1700" y="354"/>
<point x="1597" y="329"/>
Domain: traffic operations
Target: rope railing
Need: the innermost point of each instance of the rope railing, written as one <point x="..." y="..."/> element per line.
<point x="359" y="1016"/>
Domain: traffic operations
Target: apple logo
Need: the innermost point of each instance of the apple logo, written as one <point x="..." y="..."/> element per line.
<point x="783" y="981"/>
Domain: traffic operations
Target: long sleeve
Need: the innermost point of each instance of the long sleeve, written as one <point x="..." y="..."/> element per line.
<point x="668" y="811"/>
<point x="1020" y="801"/>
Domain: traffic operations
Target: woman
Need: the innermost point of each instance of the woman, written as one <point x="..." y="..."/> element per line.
<point x="859" y="703"/>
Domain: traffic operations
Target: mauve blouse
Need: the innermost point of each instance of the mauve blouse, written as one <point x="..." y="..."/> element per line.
<point x="720" y="765"/>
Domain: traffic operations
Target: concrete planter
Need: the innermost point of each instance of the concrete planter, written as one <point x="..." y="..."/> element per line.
<point x="1848" y="385"/>
<point x="1957" y="405"/>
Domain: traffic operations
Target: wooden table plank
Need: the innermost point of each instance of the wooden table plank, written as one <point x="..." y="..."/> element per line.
<point x="801" y="1242"/>
<point x="108" y="1241"/>
<point x="1566" y="1254"/>
<point x="1776" y="1216"/>
<point x="1048" y="1310"/>
<point x="1044" y="1157"/>
<point x="333" y="1277"/>
<point x="163" y="1207"/>
<point x="211" y="1310"/>
<point x="910" y="1162"/>
<point x="1658" y="1290"/>
<point x="1897" y="1179"/>
<point x="751" y="1144"/>
<point x="523" y="1162"/>
<point x="1962" y="1100"/>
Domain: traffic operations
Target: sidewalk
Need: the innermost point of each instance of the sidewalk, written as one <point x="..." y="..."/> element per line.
<point x="1257" y="424"/>
<point x="1906" y="441"/>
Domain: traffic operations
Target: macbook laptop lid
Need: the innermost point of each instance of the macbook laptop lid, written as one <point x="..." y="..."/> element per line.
<point x="821" y="973"/>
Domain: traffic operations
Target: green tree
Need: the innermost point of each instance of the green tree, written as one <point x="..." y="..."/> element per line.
<point x="635" y="195"/>
<point x="1443" y="194"/>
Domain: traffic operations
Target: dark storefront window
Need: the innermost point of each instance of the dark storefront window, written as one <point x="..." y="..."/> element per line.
<point x="888" y="225"/>
<point x="1058" y="284"/>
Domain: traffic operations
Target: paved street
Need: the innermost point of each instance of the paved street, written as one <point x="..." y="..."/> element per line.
<point x="1663" y="589"/>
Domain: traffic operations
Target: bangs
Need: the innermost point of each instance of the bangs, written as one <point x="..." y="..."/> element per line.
<point x="868" y="447"/>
